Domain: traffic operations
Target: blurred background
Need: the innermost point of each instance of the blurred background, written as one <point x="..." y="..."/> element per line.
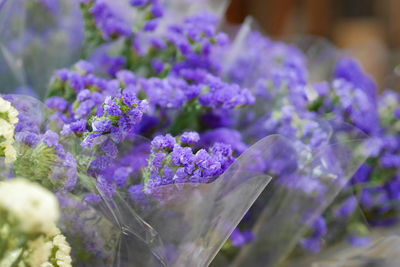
<point x="368" y="29"/>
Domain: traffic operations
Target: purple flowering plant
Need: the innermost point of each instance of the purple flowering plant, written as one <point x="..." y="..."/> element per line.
<point x="161" y="138"/>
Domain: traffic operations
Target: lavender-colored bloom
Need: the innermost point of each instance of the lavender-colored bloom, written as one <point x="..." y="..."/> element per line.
<point x="181" y="165"/>
<point x="239" y="239"/>
<point x="120" y="176"/>
<point x="71" y="175"/>
<point x="78" y="126"/>
<point x="359" y="241"/>
<point x="83" y="95"/>
<point x="106" y="188"/>
<point x="157" y="10"/>
<point x="163" y="142"/>
<point x="109" y="148"/>
<point x="57" y="103"/>
<point x="110" y="25"/>
<point x="222" y="38"/>
<point x="313" y="245"/>
<point x="101" y="126"/>
<point x="137" y="195"/>
<point x="90" y="140"/>
<point x="84" y="108"/>
<point x="189" y="138"/>
<point x="150" y="25"/>
<point x="126" y="77"/>
<point x="84" y="67"/>
<point x="28" y="138"/>
<point x="62" y="74"/>
<point x="92" y="199"/>
<point x="101" y="163"/>
<point x="111" y="107"/>
<point x="157" y="160"/>
<point x="76" y="81"/>
<point x="138" y="2"/>
<point x="389" y="160"/>
<point x="158" y="66"/>
<point x="50" y="138"/>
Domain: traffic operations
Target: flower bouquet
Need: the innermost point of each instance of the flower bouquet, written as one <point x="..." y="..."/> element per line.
<point x="171" y="143"/>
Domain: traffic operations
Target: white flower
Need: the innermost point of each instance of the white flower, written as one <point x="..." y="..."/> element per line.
<point x="8" y="119"/>
<point x="13" y="115"/>
<point x="4" y="105"/>
<point x="35" y="208"/>
<point x="39" y="251"/>
<point x="9" y="151"/>
<point x="6" y="129"/>
<point x="63" y="257"/>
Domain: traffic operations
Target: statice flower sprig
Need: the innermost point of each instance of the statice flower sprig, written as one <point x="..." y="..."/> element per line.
<point x="120" y="115"/>
<point x="8" y="120"/>
<point x="175" y="161"/>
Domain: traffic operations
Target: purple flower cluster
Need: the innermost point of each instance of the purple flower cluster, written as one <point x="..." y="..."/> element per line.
<point x="279" y="63"/>
<point x="314" y="242"/>
<point x="108" y="23"/>
<point x="173" y="161"/>
<point x="120" y="115"/>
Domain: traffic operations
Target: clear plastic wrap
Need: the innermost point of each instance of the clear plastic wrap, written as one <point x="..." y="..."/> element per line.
<point x="301" y="193"/>
<point x="32" y="46"/>
<point x="175" y="225"/>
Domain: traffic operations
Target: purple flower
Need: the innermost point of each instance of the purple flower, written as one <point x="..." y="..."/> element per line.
<point x="189" y="138"/>
<point x="76" y="81"/>
<point x="239" y="239"/>
<point x="50" y="138"/>
<point x="347" y="208"/>
<point x="84" y="67"/>
<point x="150" y="25"/>
<point x="62" y="74"/>
<point x="101" y="163"/>
<point x="57" y="103"/>
<point x="158" y="65"/>
<point x="111" y="107"/>
<point x="106" y="188"/>
<point x="126" y="77"/>
<point x="157" y="161"/>
<point x="136" y="193"/>
<point x="92" y="199"/>
<point x="101" y="126"/>
<point x="222" y="38"/>
<point x="120" y="176"/>
<point x="28" y="138"/>
<point x="163" y="142"/>
<point x="71" y="175"/>
<point x="78" y="126"/>
<point x="359" y="241"/>
<point x="311" y="244"/>
<point x="109" y="148"/>
<point x="138" y="2"/>
<point x="83" y="95"/>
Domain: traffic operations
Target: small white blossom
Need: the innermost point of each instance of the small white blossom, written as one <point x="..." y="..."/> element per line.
<point x="39" y="251"/>
<point x="8" y="119"/>
<point x="35" y="208"/>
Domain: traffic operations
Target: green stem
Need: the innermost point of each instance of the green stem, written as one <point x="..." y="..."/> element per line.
<point x="189" y="118"/>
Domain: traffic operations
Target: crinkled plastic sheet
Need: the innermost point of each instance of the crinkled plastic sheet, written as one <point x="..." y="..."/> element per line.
<point x="384" y="252"/>
<point x="297" y="196"/>
<point x="178" y="225"/>
<point x="321" y="55"/>
<point x="37" y="37"/>
<point x="186" y="224"/>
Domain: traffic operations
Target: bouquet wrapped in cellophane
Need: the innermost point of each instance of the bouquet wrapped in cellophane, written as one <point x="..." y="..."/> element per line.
<point x="163" y="141"/>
